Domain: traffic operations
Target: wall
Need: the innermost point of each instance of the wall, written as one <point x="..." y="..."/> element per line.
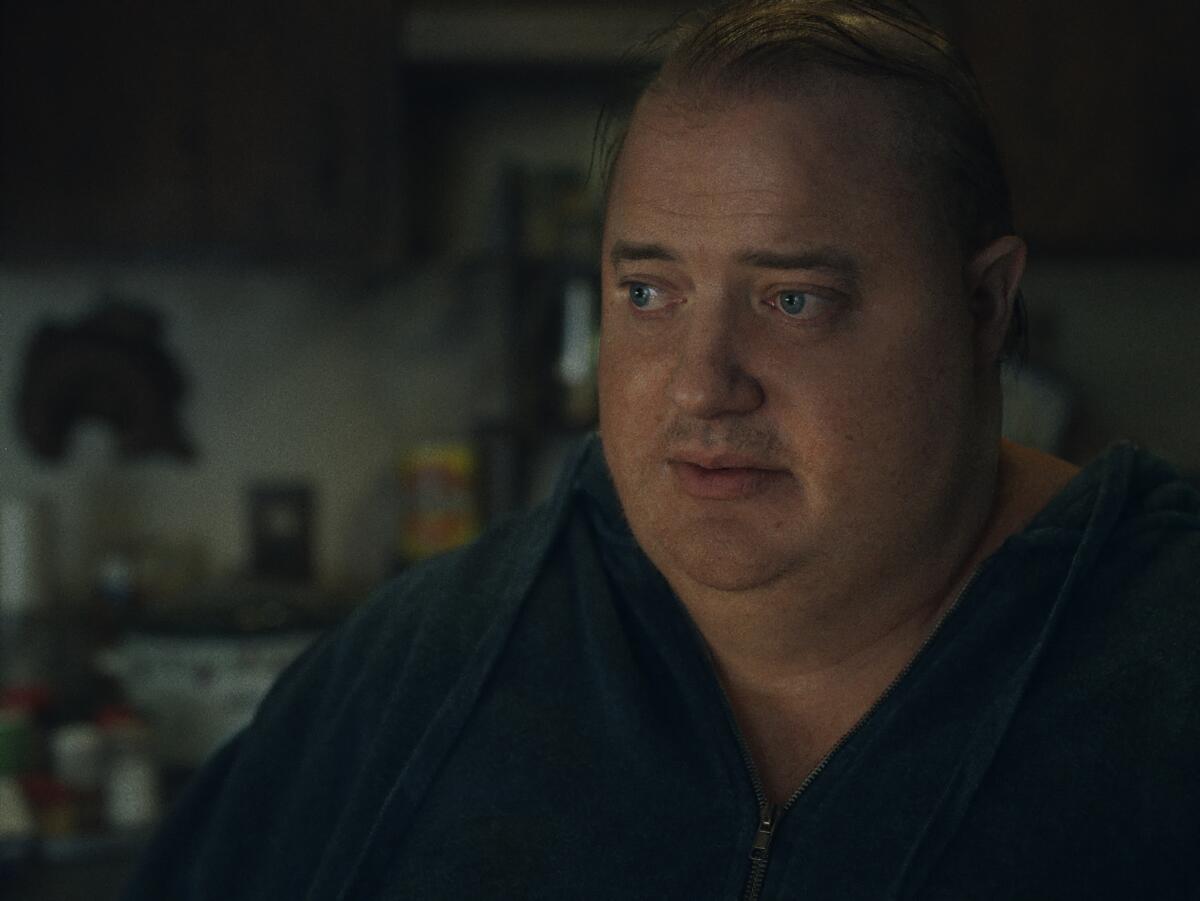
<point x="291" y="376"/>
<point x="310" y="375"/>
<point x="1123" y="336"/>
<point x="298" y="376"/>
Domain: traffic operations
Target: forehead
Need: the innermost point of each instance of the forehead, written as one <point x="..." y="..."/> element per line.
<point x="827" y="157"/>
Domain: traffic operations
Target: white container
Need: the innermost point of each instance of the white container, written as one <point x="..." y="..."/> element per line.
<point x="24" y="642"/>
<point x="77" y="751"/>
<point x="131" y="794"/>
<point x="22" y="556"/>
<point x="196" y="691"/>
<point x="16" y="819"/>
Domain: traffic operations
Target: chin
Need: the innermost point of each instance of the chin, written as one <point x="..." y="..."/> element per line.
<point x="719" y="559"/>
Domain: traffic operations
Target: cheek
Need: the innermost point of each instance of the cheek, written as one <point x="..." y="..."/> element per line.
<point x="631" y="413"/>
<point x="863" y="412"/>
<point x="629" y="386"/>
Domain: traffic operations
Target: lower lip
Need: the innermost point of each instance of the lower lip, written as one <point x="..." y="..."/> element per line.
<point x="735" y="483"/>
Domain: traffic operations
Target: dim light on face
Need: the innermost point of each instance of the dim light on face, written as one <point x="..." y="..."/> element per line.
<point x="789" y="376"/>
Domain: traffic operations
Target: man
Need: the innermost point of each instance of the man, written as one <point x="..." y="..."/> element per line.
<point x="799" y="623"/>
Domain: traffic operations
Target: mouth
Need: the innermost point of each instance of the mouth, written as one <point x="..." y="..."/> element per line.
<point x="723" y="477"/>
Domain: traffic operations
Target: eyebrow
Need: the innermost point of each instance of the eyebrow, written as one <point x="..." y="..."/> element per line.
<point x="632" y="252"/>
<point x="827" y="259"/>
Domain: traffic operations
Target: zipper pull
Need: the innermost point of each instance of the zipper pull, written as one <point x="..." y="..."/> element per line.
<point x="766" y="830"/>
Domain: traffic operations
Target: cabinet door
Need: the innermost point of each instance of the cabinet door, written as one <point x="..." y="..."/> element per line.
<point x="246" y="128"/>
<point x="1098" y="111"/>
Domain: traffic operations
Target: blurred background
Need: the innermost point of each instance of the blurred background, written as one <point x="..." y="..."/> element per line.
<point x="293" y="295"/>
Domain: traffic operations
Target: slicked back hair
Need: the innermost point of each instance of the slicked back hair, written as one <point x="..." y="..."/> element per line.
<point x="750" y="47"/>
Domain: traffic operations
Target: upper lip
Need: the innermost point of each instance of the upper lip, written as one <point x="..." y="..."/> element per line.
<point x="719" y="461"/>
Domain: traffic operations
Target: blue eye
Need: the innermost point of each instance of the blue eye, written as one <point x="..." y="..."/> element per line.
<point x="793" y="302"/>
<point x="802" y="305"/>
<point x="640" y="295"/>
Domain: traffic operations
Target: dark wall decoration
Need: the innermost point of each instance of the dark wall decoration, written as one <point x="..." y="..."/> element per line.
<point x="111" y="366"/>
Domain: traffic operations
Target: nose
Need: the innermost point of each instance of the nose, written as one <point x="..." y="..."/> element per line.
<point x="711" y="377"/>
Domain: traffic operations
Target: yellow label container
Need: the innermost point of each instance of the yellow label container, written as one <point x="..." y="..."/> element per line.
<point x="441" y="510"/>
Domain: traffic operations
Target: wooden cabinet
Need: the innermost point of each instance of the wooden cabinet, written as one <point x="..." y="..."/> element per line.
<point x="235" y="128"/>
<point x="1097" y="106"/>
<point x="272" y="131"/>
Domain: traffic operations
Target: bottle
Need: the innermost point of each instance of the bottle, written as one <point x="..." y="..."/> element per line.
<point x="131" y="792"/>
<point x="24" y="617"/>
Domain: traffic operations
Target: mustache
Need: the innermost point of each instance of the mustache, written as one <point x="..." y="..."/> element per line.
<point x="742" y="437"/>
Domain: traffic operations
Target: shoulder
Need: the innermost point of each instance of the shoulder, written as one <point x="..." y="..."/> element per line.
<point x="1135" y="611"/>
<point x="1153" y="547"/>
<point x="416" y="636"/>
<point x="1118" y="551"/>
<point x="373" y="702"/>
<point x="1111" y="572"/>
<point x="421" y="627"/>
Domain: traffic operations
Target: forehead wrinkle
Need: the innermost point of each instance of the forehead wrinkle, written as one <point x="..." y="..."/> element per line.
<point x="715" y="205"/>
<point x="678" y="113"/>
<point x="776" y="234"/>
<point x="822" y="181"/>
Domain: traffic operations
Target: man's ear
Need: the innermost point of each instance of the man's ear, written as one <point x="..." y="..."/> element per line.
<point x="993" y="277"/>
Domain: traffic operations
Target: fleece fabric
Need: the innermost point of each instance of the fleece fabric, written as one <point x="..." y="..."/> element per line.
<point x="535" y="716"/>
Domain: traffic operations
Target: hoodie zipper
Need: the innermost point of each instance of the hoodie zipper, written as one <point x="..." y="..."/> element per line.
<point x="760" y="849"/>
<point x="770" y="813"/>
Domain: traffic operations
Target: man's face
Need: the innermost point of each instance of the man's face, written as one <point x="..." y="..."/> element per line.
<point x="788" y="380"/>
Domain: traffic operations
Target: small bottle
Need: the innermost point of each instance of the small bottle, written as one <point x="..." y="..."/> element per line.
<point x="25" y="637"/>
<point x="441" y="500"/>
<point x="77" y="754"/>
<point x="116" y="595"/>
<point x="132" y="798"/>
<point x="577" y="354"/>
<point x="132" y="794"/>
<point x="17" y="825"/>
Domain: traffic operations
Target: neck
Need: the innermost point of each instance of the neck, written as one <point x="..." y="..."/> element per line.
<point x="785" y="640"/>
<point x="827" y="629"/>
